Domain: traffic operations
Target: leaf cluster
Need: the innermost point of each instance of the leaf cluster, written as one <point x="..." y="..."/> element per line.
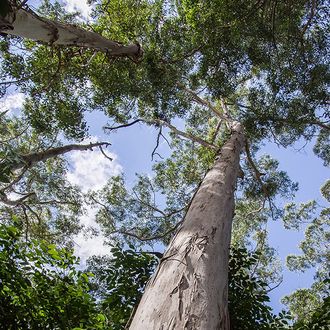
<point x="40" y="286"/>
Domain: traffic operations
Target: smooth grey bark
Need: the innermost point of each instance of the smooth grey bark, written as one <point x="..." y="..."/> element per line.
<point x="189" y="288"/>
<point x="31" y="159"/>
<point x="27" y="24"/>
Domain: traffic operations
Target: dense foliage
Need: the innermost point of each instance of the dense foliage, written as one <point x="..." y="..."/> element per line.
<point x="40" y="286"/>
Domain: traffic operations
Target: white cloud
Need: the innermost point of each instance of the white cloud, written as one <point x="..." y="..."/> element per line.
<point x="12" y="102"/>
<point x="90" y="171"/>
<point x="87" y="247"/>
<point x="80" y="6"/>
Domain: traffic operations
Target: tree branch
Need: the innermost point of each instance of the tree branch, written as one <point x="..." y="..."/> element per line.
<point x="157" y="145"/>
<point x="31" y="159"/>
<point x="204" y="103"/>
<point x="258" y="177"/>
<point x="184" y="134"/>
<point x="145" y="239"/>
<point x="16" y="180"/>
<point x="122" y="126"/>
<point x="161" y="122"/>
<point x="25" y="23"/>
<point x="320" y="124"/>
<point x="10" y="202"/>
<point x="309" y="21"/>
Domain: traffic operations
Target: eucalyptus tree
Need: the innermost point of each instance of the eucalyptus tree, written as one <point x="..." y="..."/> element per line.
<point x="33" y="183"/>
<point x="237" y="72"/>
<point x="315" y="253"/>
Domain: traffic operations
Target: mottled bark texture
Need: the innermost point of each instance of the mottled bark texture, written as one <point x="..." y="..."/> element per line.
<point x="189" y="288"/>
<point x="27" y="24"/>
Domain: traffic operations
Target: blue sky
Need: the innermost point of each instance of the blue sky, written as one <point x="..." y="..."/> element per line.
<point x="132" y="147"/>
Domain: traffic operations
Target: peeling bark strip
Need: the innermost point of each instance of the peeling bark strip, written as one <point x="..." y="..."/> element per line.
<point x="189" y="288"/>
<point x="27" y="24"/>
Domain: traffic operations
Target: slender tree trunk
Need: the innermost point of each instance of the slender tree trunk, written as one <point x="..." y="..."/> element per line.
<point x="27" y="24"/>
<point x="189" y="288"/>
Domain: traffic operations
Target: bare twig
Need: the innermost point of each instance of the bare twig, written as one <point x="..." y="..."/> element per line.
<point x="124" y="125"/>
<point x="276" y="286"/>
<point x="311" y="16"/>
<point x="186" y="135"/>
<point x="161" y="122"/>
<point x="157" y="145"/>
<point x="145" y="239"/>
<point x="104" y="154"/>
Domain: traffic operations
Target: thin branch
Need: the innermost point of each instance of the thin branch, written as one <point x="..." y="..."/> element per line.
<point x="145" y="239"/>
<point x="226" y="112"/>
<point x="16" y="136"/>
<point x="164" y="137"/>
<point x="257" y="210"/>
<point x="311" y="16"/>
<point x="16" y="180"/>
<point x="252" y="164"/>
<point x="10" y="82"/>
<point x="276" y="286"/>
<point x="186" y="135"/>
<point x="122" y="126"/>
<point x="185" y="56"/>
<point x="217" y="129"/>
<point x="320" y="124"/>
<point x="10" y="202"/>
<point x="101" y="204"/>
<point x="205" y="103"/>
<point x="104" y="154"/>
<point x="26" y="222"/>
<point x="148" y="205"/>
<point x="90" y="60"/>
<point x="157" y="145"/>
<point x="54" y="201"/>
<point x="34" y="213"/>
<point x="160" y="122"/>
<point x="258" y="177"/>
<point x="156" y="209"/>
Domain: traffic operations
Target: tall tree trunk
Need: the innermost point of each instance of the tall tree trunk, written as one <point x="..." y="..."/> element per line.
<point x="27" y="24"/>
<point x="189" y="288"/>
